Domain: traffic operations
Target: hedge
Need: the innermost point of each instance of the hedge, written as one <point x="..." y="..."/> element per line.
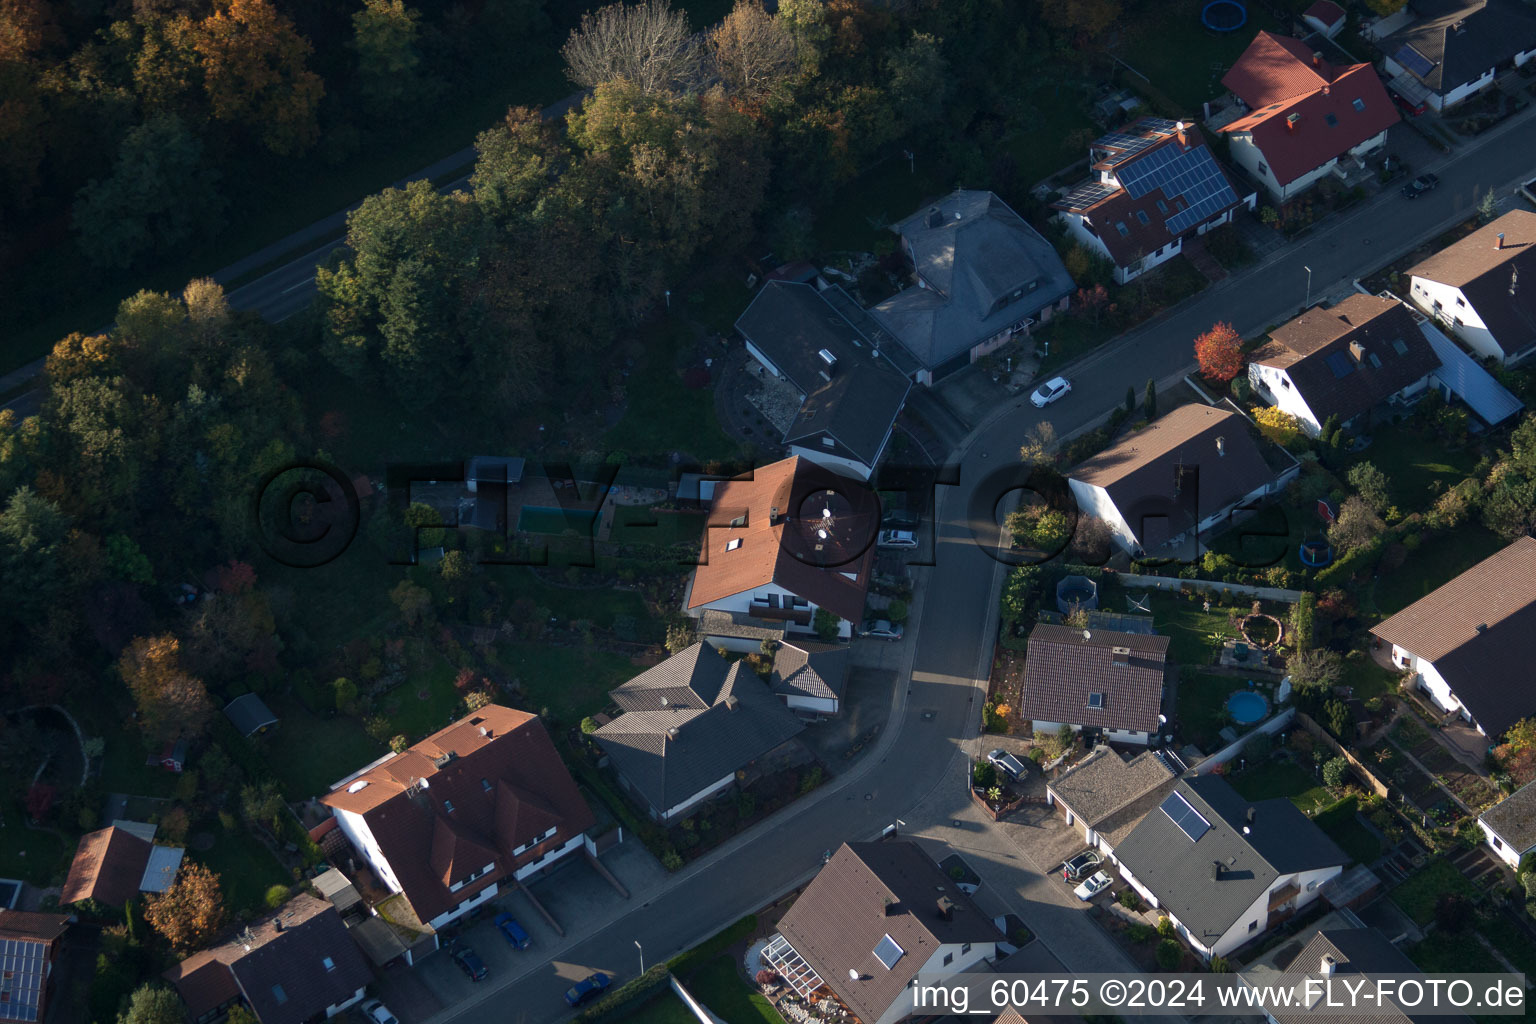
<point x="1351" y="564"/>
<point x="620" y="1003"/>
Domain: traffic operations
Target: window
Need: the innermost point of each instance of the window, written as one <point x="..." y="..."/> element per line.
<point x="1125" y="232"/>
<point x="1262" y="168"/>
<point x="1253" y="926"/>
<point x="1162" y="207"/>
<point x="772" y="600"/>
<point x="1460" y="301"/>
<point x="799" y="602"/>
<point x="1311" y="885"/>
<point x="552" y="830"/>
<point x="1096" y="701"/>
<point x="738" y="522"/>
<point x="328" y="964"/>
<point x="1333" y="121"/>
<point x="949" y="958"/>
<point x="1498" y="844"/>
<point x="485" y="784"/>
<point x="1360" y="104"/>
<point x="1141" y="215"/>
<point x="448" y="806"/>
<point x="965" y="949"/>
<point x="1285" y="382"/>
<point x="279" y="994"/>
<point x="732" y="545"/>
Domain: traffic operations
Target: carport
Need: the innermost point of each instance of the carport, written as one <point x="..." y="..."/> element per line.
<point x="1461" y="375"/>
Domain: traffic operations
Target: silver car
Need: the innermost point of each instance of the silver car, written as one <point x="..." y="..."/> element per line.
<point x="378" y="1013"/>
<point x="1007" y="763"/>
<point x="1091" y="888"/>
<point x="897" y="539"/>
<point x="883" y="629"/>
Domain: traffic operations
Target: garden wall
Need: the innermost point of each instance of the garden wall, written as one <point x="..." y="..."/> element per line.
<point x="1231" y="750"/>
<point x="1366" y="776"/>
<point x="1171" y="583"/>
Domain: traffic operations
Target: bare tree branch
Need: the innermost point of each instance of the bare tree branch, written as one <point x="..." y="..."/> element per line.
<point x="647" y="44"/>
<point x="750" y="52"/>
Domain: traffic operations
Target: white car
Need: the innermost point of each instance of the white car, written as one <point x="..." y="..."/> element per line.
<point x="1091" y="888"/>
<point x="897" y="539"/>
<point x="378" y="1013"/>
<point x="1048" y="392"/>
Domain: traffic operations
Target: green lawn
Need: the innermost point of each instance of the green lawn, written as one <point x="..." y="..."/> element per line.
<point x="40" y="858"/>
<point x="1202" y="708"/>
<point x="1433" y="565"/>
<point x="1414" y="463"/>
<point x="1281" y="777"/>
<point x="1053" y="137"/>
<point x="1440" y="953"/>
<point x="664" y="1009"/>
<point x="1271" y="536"/>
<point x="122" y="760"/>
<point x="718" y="986"/>
<point x="663" y="415"/>
<point x="1368" y="678"/>
<point x="719" y="298"/>
<point x="307" y="753"/>
<point x="1343" y="827"/>
<point x="1418" y="893"/>
<point x="571" y="682"/>
<point x="859" y="215"/>
<point x="1183" y="58"/>
<point x="425" y="702"/>
<point x="601" y="605"/>
<point x="246" y="868"/>
<point x="1189" y="627"/>
<point x="633" y="524"/>
<point x="1510" y="941"/>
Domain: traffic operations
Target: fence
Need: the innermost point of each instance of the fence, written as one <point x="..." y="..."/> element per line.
<point x="1367" y="776"/>
<point x="1215" y="586"/>
<point x="1231" y="750"/>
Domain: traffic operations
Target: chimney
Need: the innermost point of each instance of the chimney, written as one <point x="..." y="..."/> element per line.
<point x="773" y="516"/>
<point x="672" y="732"/>
<point x="1357" y="350"/>
<point x="1121" y="655"/>
<point x="1482" y="627"/>
<point x="277" y="925"/>
<point x="1215" y="870"/>
<point x="1291" y="121"/>
<point x="1221" y="446"/>
<point x="1328" y="965"/>
<point x="890" y="906"/>
<point x="1317" y="58"/>
<point x="1252" y="813"/>
<point x="731" y="702"/>
<point x="1182" y="129"/>
<point x="1498" y="241"/>
<point x="946" y="909"/>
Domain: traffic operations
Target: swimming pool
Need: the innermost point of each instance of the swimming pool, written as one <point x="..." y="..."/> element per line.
<point x="534" y="519"/>
<point x="1247" y="707"/>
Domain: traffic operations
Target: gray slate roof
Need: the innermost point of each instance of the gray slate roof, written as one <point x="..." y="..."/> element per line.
<point x="250" y="714"/>
<point x="1354" y="952"/>
<point x="972" y="250"/>
<point x="1062" y="668"/>
<point x="1514" y="818"/>
<point x="1178" y="872"/>
<point x="1462" y="39"/>
<point x="857" y="401"/>
<point x="1105" y="782"/>
<point x="808" y="669"/>
<point x="723" y="715"/>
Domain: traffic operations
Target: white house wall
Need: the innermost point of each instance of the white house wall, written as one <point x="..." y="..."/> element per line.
<point x="1112" y="735"/>
<point x="1274" y="385"/>
<point x="1503" y="850"/>
<point x="841" y="464"/>
<point x="1461" y="92"/>
<point x="355" y="827"/>
<point x="934" y="970"/>
<point x="1094" y="501"/>
<point x="448" y="916"/>
<point x="742" y="602"/>
<point x="535" y="866"/>
<point x="818" y="705"/>
<point x="335" y="1008"/>
<point x="699" y="797"/>
<point x="1451" y="309"/>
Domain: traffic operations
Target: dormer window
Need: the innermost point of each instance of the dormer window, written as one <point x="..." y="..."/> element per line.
<point x="1096" y="701"/>
<point x="448" y="806"/>
<point x="1125" y="232"/>
<point x="738" y="522"/>
<point x="733" y="544"/>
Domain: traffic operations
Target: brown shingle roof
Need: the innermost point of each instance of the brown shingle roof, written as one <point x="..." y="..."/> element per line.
<point x="278" y="965"/>
<point x="26" y="926"/>
<point x="810" y="669"/>
<point x="1104" y="783"/>
<point x="506" y="785"/>
<point x="1309" y="346"/>
<point x="1064" y="665"/>
<point x="108" y="866"/>
<point x="782" y="549"/>
<point x="1499" y="283"/>
<point x="866" y="892"/>
<point x="1138" y="472"/>
<point x="1479" y="631"/>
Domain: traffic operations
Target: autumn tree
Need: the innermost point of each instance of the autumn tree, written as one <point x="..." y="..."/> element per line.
<point x="1038" y="444"/>
<point x="173" y="704"/>
<point x="1356" y="524"/>
<point x="751" y="52"/>
<point x="1279" y="426"/>
<point x="191" y="911"/>
<point x="385" y="38"/>
<point x="262" y="807"/>
<point x="1517" y="754"/>
<point x="647" y="44"/>
<point x="1219" y="351"/>
<point x="255" y="73"/>
<point x="160" y="195"/>
<point x="1040" y="527"/>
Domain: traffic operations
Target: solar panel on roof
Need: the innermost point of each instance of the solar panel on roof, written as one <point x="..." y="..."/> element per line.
<point x="1413" y="60"/>
<point x="1087" y="195"/>
<point x="1340" y="364"/>
<point x="1186" y="817"/>
<point x="887" y="952"/>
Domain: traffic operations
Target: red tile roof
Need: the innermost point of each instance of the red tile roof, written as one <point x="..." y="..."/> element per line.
<point x="1325" y="11"/>
<point x="108" y="867"/>
<point x="784" y="548"/>
<point x="494" y="782"/>
<point x="25" y="926"/>
<point x="1280" y="79"/>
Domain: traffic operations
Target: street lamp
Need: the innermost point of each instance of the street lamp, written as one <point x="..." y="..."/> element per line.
<point x="642" y="955"/>
<point x="1309" y="287"/>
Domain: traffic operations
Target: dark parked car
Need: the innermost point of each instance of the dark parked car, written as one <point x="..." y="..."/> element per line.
<point x="516" y="937"/>
<point x="470" y="963"/>
<point x="1081" y="866"/>
<point x="589" y="987"/>
<point x="1418" y="186"/>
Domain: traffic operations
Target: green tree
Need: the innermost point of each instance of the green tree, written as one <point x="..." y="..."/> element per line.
<point x="918" y="78"/>
<point x="276" y="896"/>
<point x="1339" y="721"/>
<point x="345" y="692"/>
<point x="256" y="76"/>
<point x="127" y="561"/>
<point x="1356" y="524"/>
<point x="32" y="534"/>
<point x="1335" y="772"/>
<point x="423" y="521"/>
<point x="826" y="624"/>
<point x="807" y="24"/>
<point x="263" y="807"/>
<point x="385" y="38"/>
<point x="1130" y="399"/>
<point x="159" y="196"/>
<point x="1372" y="484"/>
<point x="1149" y="399"/>
<point x="1330" y="428"/>
<point x="1169" y="954"/>
<point x="153" y="1003"/>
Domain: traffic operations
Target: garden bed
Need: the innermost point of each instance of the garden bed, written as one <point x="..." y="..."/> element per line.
<point x="1417" y="894"/>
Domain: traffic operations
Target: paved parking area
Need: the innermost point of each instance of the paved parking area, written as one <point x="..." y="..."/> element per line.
<point x="1039" y="830"/>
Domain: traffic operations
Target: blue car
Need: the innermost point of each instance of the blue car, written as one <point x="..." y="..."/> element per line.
<point x="589" y="987"/>
<point x="516" y="937"/>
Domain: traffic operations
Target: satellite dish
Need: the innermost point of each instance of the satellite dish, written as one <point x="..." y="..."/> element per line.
<point x="1087" y="634"/>
<point x="853" y="975"/>
<point x="1162" y="719"/>
<point x="826" y="513"/>
<point x="822" y="534"/>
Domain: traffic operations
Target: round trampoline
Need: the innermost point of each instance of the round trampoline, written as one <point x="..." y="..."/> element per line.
<point x="1316" y="552"/>
<point x="1224" y="15"/>
<point x="1247" y="707"/>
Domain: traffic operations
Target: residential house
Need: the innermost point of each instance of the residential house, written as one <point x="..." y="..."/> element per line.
<point x="1325" y="16"/>
<point x="29" y="949"/>
<point x="809" y="676"/>
<point x="292" y="967"/>
<point x="1455" y="48"/>
<point x="1155" y="184"/>
<point x="1306" y="118"/>
<point x="1469" y="644"/>
<point x="1510" y="825"/>
<point x="874" y="917"/>
<point x="1192" y="468"/>
<point x="1225" y="869"/>
<point x="1483" y="288"/>
<point x="788" y="540"/>
<point x="1343" y="361"/>
<point x="483" y="802"/>
<point x="1102" y="683"/>
<point x="689" y="725"/>
<point x="1105" y="795"/>
<point x="250" y="715"/>
<point x="1345" y="950"/>
<point x="981" y="276"/>
<point x="115" y="864"/>
<point x="382" y="940"/>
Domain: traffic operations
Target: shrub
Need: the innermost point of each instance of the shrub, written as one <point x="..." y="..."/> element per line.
<point x="276" y="896"/>
<point x="984" y="775"/>
<point x="812" y="779"/>
<point x="1129" y="899"/>
<point x="1452" y="912"/>
<point x="1219" y="965"/>
<point x="1169" y="953"/>
<point x="1165" y="926"/>
<point x="588" y="726"/>
<point x="399" y="744"/>
<point x="898" y="611"/>
<point x="1279" y="427"/>
<point x="1335" y="772"/>
<point x="671" y="861"/>
<point x="1140" y="933"/>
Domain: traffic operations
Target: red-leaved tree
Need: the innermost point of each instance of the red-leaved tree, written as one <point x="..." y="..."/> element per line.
<point x="1219" y="351"/>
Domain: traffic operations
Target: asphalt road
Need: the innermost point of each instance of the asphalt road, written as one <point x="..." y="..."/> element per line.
<point x="956" y="617"/>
